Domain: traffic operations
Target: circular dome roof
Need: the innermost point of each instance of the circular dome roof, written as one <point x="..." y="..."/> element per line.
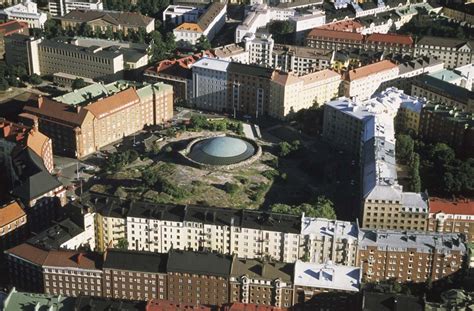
<point x="222" y="150"/>
<point x="223" y="146"/>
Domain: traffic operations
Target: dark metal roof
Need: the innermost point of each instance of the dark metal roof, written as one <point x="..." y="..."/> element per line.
<point x="88" y="303"/>
<point x="444" y="88"/>
<point x="250" y="70"/>
<point x="202" y="263"/>
<point x="135" y="261"/>
<point x="53" y="237"/>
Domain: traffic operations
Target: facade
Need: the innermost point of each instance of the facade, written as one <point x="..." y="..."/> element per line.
<point x="458" y="127"/>
<point x="409" y="256"/>
<point x="207" y="25"/>
<point x="248" y="89"/>
<point x="63" y="7"/>
<point x="361" y="83"/>
<point x="452" y="216"/>
<point x="135" y="275"/>
<point x="115" y="21"/>
<point x="96" y="121"/>
<point x="289" y="93"/>
<point x="13" y="222"/>
<point x="328" y="39"/>
<point x="71" y="273"/>
<point x="453" y="52"/>
<point x="262" y="283"/>
<point x="300" y="60"/>
<point x="27" y="12"/>
<point x="198" y="278"/>
<point x="443" y="92"/>
<point x="326" y="286"/>
<point x="210" y="84"/>
<point x="260" y="47"/>
<point x="8" y="29"/>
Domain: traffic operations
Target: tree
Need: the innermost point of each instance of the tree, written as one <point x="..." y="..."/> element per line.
<point x="284" y="149"/>
<point x="3" y="84"/>
<point x="122" y="243"/>
<point x="231" y="188"/>
<point x="199" y="122"/>
<point x="281" y="31"/>
<point x="203" y="43"/>
<point x="404" y="147"/>
<point x="35" y="79"/>
<point x="78" y="83"/>
<point x="150" y="177"/>
<point x="323" y="208"/>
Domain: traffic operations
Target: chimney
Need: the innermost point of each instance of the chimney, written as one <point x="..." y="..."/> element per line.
<point x="40" y="101"/>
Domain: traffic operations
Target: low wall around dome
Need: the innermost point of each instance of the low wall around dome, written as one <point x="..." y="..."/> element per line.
<point x="248" y="161"/>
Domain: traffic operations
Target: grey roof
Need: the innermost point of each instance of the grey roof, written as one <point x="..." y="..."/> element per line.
<point x="256" y="269"/>
<point x="444" y="88"/>
<point x="208" y="17"/>
<point x="201" y="263"/>
<point x="36" y="181"/>
<point x="91" y="50"/>
<point x="135" y="261"/>
<point x="302" y="51"/>
<point x="221" y="150"/>
<point x="446" y="42"/>
<point x="417" y="63"/>
<point x="56" y="235"/>
<point x="423" y="242"/>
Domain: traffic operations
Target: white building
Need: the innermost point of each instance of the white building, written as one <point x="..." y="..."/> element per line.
<point x="260" y="49"/>
<point x="461" y="77"/>
<point x="210" y="84"/>
<point x="361" y="83"/>
<point x="63" y="7"/>
<point x="306" y="21"/>
<point x="26" y="11"/>
<point x="208" y="25"/>
<point x="312" y="278"/>
<point x="453" y="52"/>
<point x="232" y="53"/>
<point x="178" y="14"/>
<point x="326" y="239"/>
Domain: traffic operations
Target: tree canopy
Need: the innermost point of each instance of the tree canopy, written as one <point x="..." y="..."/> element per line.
<point x="321" y="208"/>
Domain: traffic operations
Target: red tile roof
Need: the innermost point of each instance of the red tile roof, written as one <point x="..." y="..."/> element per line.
<point x="10" y="212"/>
<point x="390" y="38"/>
<point x="365" y="71"/>
<point x="345" y="25"/>
<point x="180" y="67"/>
<point x="334" y="34"/>
<point x="12" y="27"/>
<point x="458" y="207"/>
<point x="113" y="103"/>
<point x="29" y="252"/>
<point x="72" y="259"/>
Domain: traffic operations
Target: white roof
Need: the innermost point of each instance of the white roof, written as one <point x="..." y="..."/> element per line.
<point x="415" y="202"/>
<point x="212" y="64"/>
<point x="327" y="275"/>
<point x="330" y="228"/>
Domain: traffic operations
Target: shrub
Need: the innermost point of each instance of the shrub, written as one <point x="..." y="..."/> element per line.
<point x="231" y="188"/>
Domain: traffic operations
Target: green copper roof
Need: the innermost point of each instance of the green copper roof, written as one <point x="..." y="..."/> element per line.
<point x="41" y="302"/>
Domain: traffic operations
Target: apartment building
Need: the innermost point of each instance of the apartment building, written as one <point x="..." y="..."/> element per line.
<point x="290" y="93"/>
<point x="259" y="282"/>
<point x="300" y="60"/>
<point x="83" y="121"/>
<point x="453" y="52"/>
<point x="208" y="25"/>
<point x="260" y="48"/>
<point x="232" y="53"/>
<point x="210" y="84"/>
<point x="366" y="130"/>
<point x="457" y="125"/>
<point x="198" y="277"/>
<point x="100" y="21"/>
<point x="134" y="275"/>
<point x="63" y="7"/>
<point x="409" y="114"/>
<point x="8" y="29"/>
<point x="71" y="273"/>
<point x="13" y="222"/>
<point x="334" y="240"/>
<point x="452" y="216"/>
<point x="328" y="39"/>
<point x="326" y="286"/>
<point x="176" y="73"/>
<point x="25" y="271"/>
<point x="248" y="89"/>
<point x="25" y="11"/>
<point x="361" y="83"/>
<point x="409" y="256"/>
<point x="443" y="92"/>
